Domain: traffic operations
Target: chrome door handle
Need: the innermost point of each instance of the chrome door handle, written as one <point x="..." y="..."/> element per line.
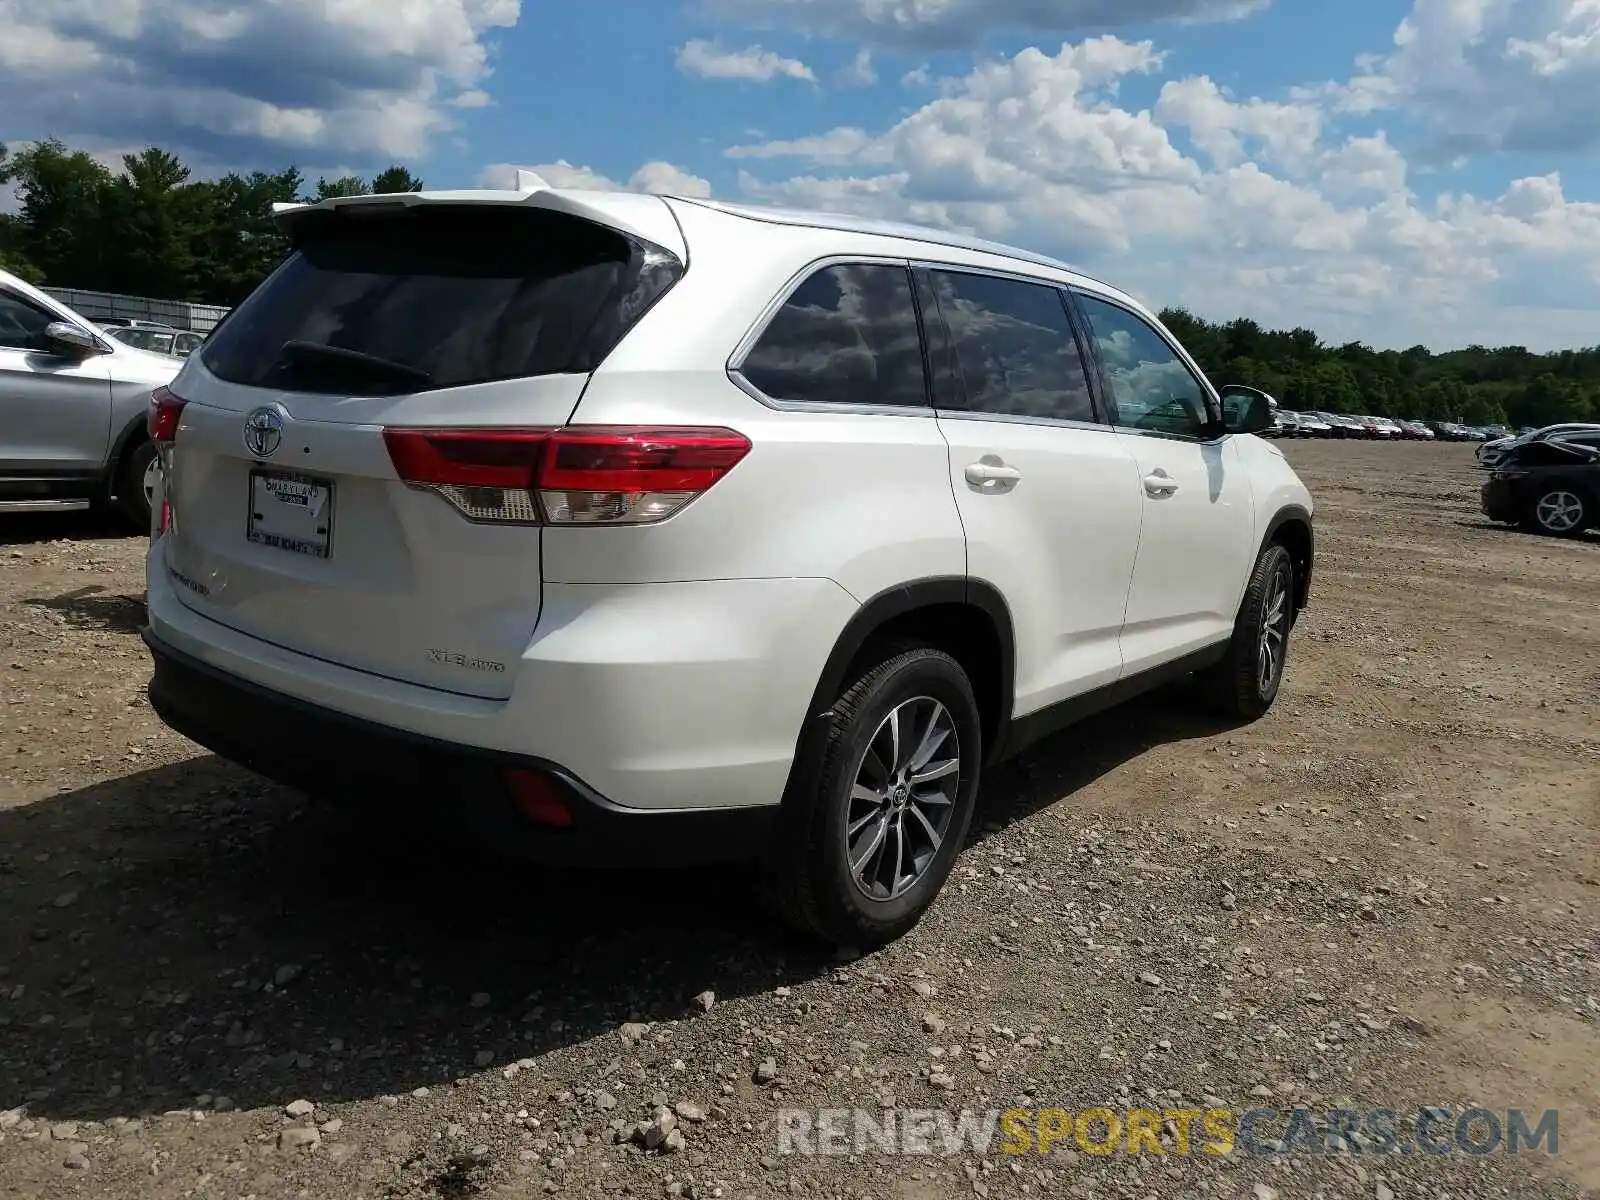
<point x="980" y="473"/>
<point x="1158" y="484"/>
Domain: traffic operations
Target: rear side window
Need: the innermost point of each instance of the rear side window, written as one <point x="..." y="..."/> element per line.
<point x="412" y="299"/>
<point x="1014" y="347"/>
<point x="847" y="335"/>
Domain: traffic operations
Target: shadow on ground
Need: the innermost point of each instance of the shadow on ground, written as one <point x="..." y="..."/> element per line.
<point x="94" y="525"/>
<point x="94" y="608"/>
<point x="191" y="929"/>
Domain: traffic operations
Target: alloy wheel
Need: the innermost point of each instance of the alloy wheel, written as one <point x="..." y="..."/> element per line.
<point x="1274" y="632"/>
<point x="1559" y="511"/>
<point x="152" y="471"/>
<point x="902" y="798"/>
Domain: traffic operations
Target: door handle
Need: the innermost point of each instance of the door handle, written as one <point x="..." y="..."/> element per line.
<point x="980" y="473"/>
<point x="1158" y="484"/>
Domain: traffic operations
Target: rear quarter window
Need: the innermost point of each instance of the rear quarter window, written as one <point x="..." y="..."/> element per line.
<point x="415" y="299"/>
<point x="847" y="335"/>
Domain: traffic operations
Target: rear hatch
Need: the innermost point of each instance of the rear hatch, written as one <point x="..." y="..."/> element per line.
<point x="289" y="520"/>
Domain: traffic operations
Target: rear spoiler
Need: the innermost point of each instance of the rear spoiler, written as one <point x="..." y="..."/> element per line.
<point x="644" y="218"/>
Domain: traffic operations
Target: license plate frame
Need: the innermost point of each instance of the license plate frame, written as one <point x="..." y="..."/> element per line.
<point x="295" y="527"/>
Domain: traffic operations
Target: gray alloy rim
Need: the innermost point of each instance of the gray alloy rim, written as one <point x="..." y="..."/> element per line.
<point x="902" y="798"/>
<point x="151" y="469"/>
<point x="1274" y="629"/>
<point x="1559" y="511"/>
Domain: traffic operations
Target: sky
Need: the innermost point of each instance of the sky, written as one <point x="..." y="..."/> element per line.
<point x="1388" y="172"/>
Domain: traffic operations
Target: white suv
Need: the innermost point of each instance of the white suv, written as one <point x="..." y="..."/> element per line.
<point x="631" y="528"/>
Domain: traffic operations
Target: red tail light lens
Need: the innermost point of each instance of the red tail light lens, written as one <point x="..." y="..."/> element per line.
<point x="621" y="475"/>
<point x="577" y="475"/>
<point x="162" y="419"/>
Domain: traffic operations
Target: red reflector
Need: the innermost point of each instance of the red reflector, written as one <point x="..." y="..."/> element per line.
<point x="538" y="798"/>
<point x="600" y="458"/>
<point x="162" y="418"/>
<point x="489" y="458"/>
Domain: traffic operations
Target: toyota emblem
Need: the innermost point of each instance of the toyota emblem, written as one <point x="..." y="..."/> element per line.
<point x="263" y="431"/>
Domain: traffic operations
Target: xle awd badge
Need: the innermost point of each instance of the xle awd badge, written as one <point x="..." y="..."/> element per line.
<point x="263" y="432"/>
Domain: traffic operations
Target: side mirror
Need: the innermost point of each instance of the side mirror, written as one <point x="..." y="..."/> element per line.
<point x="63" y="337"/>
<point x="1245" y="409"/>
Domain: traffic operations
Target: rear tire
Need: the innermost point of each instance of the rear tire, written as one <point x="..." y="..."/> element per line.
<point x="883" y="815"/>
<point x="1246" y="682"/>
<point x="134" y="483"/>
<point x="1560" y="512"/>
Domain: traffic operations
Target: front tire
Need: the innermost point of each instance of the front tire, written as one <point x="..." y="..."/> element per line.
<point x="884" y="814"/>
<point x="1560" y="512"/>
<point x="1246" y="682"/>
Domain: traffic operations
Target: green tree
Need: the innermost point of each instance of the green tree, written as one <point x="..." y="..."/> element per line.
<point x="395" y="179"/>
<point x="347" y="185"/>
<point x="62" y="228"/>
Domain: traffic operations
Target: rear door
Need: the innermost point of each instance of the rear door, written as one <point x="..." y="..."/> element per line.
<point x="289" y="519"/>
<point x="55" y="409"/>
<point x="1049" y="498"/>
<point x="1198" y="542"/>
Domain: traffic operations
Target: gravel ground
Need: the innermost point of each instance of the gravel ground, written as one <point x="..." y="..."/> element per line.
<point x="1380" y="895"/>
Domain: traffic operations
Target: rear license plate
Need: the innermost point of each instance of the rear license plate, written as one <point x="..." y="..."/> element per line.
<point x="291" y="512"/>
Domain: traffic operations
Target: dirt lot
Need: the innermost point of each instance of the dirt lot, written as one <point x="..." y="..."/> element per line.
<point x="1382" y="895"/>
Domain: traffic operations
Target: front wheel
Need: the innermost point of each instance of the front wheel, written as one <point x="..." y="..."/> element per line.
<point x="1245" y="683"/>
<point x="883" y="816"/>
<point x="136" y="483"/>
<point x="1559" y="512"/>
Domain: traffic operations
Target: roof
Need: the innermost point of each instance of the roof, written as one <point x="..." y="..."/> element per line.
<point x="847" y="223"/>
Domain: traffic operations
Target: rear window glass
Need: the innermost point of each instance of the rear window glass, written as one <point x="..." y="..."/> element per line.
<point x="413" y="299"/>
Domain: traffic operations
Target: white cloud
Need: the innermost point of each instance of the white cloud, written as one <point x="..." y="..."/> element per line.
<point x="372" y="79"/>
<point x="665" y="179"/>
<point x="1487" y="75"/>
<point x="657" y="177"/>
<point x="708" y="60"/>
<point x="859" y="72"/>
<point x="946" y="24"/>
<point x="1275" y="211"/>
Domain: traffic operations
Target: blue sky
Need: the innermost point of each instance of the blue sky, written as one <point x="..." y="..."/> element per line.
<point x="1393" y="172"/>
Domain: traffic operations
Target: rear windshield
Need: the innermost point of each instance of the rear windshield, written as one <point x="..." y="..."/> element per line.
<point x="412" y="299"/>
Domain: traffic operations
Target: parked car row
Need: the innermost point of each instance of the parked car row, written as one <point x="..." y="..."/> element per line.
<point x="1349" y="425"/>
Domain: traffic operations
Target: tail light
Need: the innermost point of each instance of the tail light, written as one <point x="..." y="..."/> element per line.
<point x="574" y="475"/>
<point x="162" y="419"/>
<point x="161" y="422"/>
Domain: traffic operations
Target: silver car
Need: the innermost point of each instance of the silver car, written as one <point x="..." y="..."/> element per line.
<point x="73" y="404"/>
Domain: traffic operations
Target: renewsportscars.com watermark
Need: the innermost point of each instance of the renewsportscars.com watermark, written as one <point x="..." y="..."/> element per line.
<point x="1256" y="1132"/>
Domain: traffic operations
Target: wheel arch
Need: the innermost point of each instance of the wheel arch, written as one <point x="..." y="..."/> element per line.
<point x="967" y="618"/>
<point x="135" y="431"/>
<point x="1290" y="527"/>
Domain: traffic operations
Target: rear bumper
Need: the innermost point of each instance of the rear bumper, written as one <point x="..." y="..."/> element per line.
<point x="405" y="776"/>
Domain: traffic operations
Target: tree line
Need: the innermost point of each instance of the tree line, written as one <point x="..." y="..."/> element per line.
<point x="151" y="230"/>
<point x="1479" y="385"/>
